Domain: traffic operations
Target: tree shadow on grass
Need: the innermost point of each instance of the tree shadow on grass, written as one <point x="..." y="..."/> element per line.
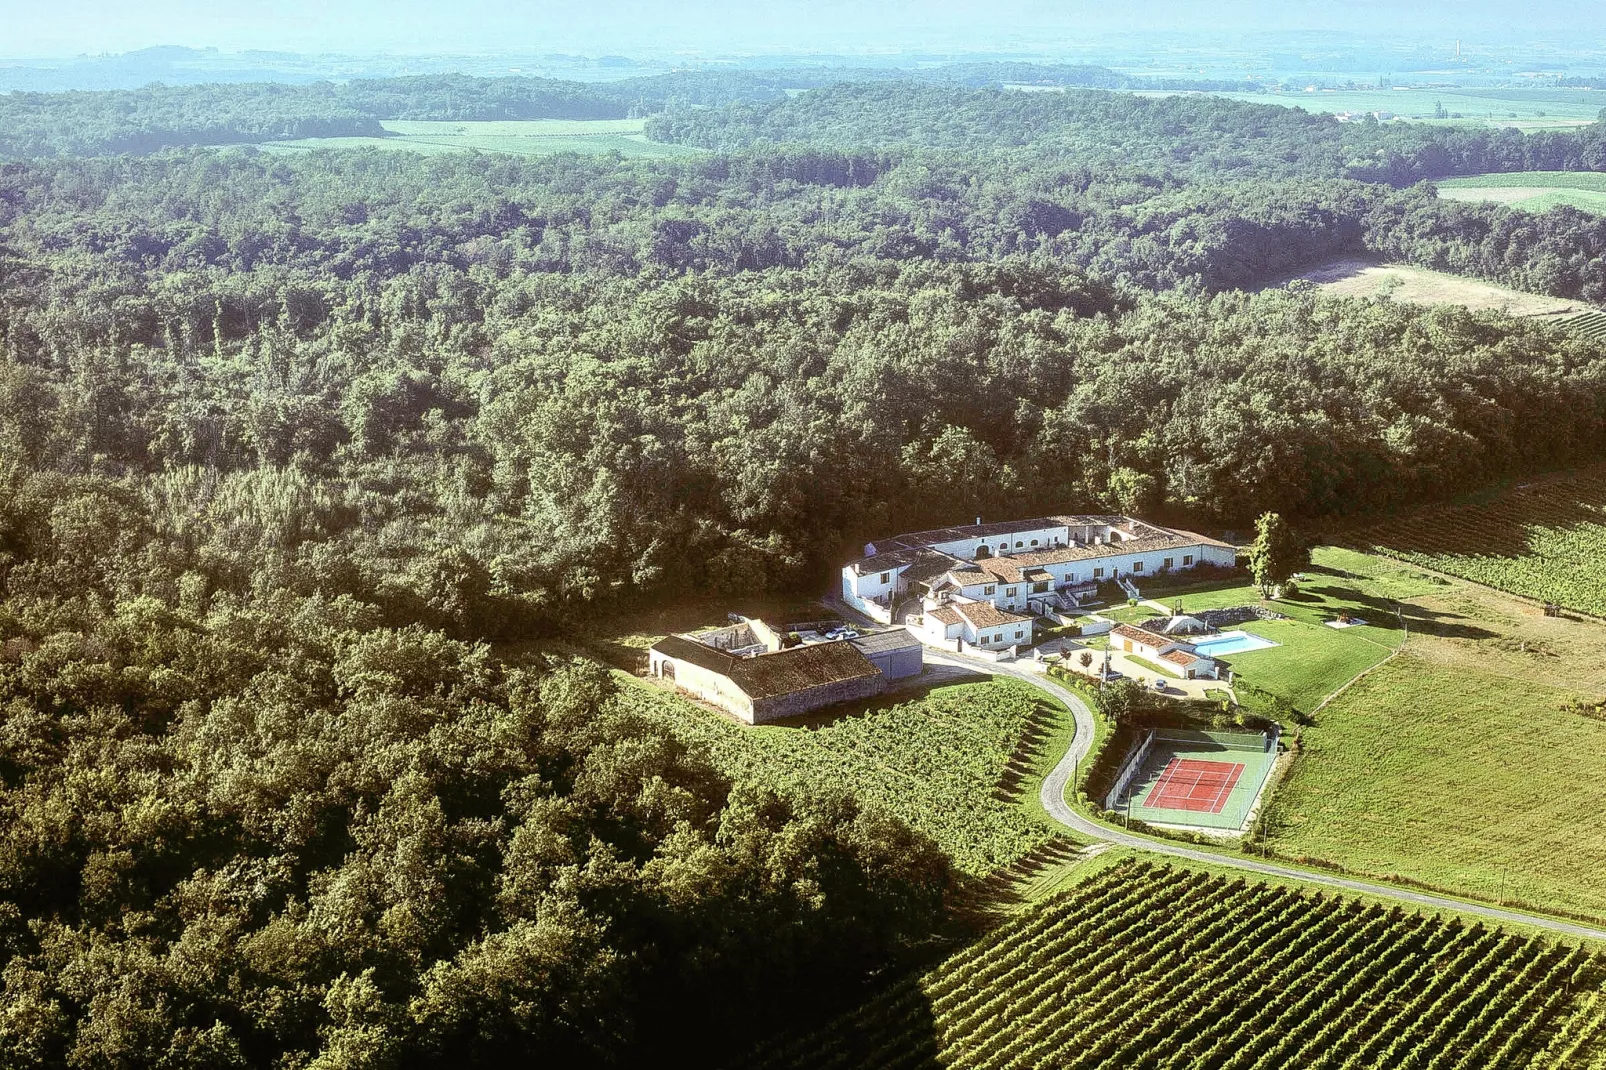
<point x="1381" y="613"/>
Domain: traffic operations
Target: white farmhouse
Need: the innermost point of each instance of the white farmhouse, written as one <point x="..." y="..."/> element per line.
<point x="1180" y="658"/>
<point x="1041" y="565"/>
<point x="977" y="624"/>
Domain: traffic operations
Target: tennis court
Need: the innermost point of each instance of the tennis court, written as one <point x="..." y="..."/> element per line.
<point x="1190" y="784"/>
<point x="1197" y="778"/>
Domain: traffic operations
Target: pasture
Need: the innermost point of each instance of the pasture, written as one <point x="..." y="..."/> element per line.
<point x="1355" y="277"/>
<point x="535" y="137"/>
<point x="1157" y="966"/>
<point x="1532" y="191"/>
<point x="947" y="761"/>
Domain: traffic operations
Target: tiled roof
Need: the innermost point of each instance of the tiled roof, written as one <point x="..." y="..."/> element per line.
<point x="971" y="578"/>
<point x="977" y="531"/>
<point x="785" y="671"/>
<point x="1182" y="657"/>
<point x="695" y="653"/>
<point x="987" y="615"/>
<point x="946" y="614"/>
<point x="1141" y="635"/>
<point x="780" y="673"/>
<point x="1138" y="537"/>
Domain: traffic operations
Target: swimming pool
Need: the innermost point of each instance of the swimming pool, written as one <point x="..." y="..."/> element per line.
<point x="1231" y="643"/>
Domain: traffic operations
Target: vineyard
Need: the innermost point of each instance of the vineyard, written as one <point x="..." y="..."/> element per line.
<point x="937" y="761"/>
<point x="1591" y="325"/>
<point x="1544" y="540"/>
<point x="1158" y="967"/>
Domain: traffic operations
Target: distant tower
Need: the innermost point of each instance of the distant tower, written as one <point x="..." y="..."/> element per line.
<point x="1458" y="49"/>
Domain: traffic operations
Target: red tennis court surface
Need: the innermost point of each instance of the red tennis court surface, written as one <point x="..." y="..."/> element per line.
<point x="1192" y="784"/>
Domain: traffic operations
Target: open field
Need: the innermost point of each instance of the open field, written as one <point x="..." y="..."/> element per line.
<point x="941" y="760"/>
<point x="1526" y="109"/>
<point x="1354" y="277"/>
<point x="1534" y="191"/>
<point x="536" y="137"/>
<point x="1461" y="763"/>
<point x="1141" y="965"/>
<point x="1544" y="539"/>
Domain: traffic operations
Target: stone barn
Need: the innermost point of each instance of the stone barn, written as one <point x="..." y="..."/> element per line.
<point x="771" y="686"/>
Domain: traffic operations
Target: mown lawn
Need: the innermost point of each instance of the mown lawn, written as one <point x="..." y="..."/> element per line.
<point x="1311" y="660"/>
<point x="937" y="759"/>
<point x="1471" y="781"/>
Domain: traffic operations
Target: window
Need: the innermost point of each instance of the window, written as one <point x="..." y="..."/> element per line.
<point x="1009" y="592"/>
<point x="1187" y="559"/>
<point x="1168" y="563"/>
<point x="1019" y="634"/>
<point x="989" y="589"/>
<point x="1034" y="542"/>
<point x="1040" y="587"/>
<point x="1098" y="572"/>
<point x="1018" y="544"/>
<point x="1137" y="566"/>
<point x="885" y="576"/>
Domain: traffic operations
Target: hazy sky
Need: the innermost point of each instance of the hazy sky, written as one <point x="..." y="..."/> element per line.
<point x="67" y="27"/>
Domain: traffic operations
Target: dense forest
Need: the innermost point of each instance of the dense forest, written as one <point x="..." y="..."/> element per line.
<point x="289" y="446"/>
<point x="157" y="117"/>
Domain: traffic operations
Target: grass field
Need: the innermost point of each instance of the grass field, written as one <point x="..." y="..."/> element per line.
<point x="1527" y="109"/>
<point x="1312" y="660"/>
<point x="1533" y="191"/>
<point x="536" y="137"/>
<point x="1353" y="277"/>
<point x="1459" y="764"/>
<point x="1545" y="539"/>
<point x="942" y="760"/>
<point x="1147" y="966"/>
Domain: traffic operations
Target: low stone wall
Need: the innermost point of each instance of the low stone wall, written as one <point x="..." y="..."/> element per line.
<point x="813" y="698"/>
<point x="1227" y="618"/>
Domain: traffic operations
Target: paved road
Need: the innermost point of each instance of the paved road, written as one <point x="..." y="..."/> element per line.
<point x="1053" y="796"/>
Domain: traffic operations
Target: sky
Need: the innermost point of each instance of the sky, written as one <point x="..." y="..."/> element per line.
<point x="73" y="27"/>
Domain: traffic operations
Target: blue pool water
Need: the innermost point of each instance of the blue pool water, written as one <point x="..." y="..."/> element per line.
<point x="1231" y="643"/>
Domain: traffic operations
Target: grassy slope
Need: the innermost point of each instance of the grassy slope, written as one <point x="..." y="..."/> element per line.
<point x="1456" y="765"/>
<point x="937" y="759"/>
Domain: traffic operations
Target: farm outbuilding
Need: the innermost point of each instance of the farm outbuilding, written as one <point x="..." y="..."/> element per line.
<point x="895" y="652"/>
<point x="767" y="687"/>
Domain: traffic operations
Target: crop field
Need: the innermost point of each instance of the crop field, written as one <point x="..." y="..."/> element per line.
<point x="535" y="137"/>
<point x="1354" y="277"/>
<point x="1544" y="540"/>
<point x="1526" y="109"/>
<point x="937" y="760"/>
<point x="1159" y="967"/>
<point x="1532" y="191"/>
